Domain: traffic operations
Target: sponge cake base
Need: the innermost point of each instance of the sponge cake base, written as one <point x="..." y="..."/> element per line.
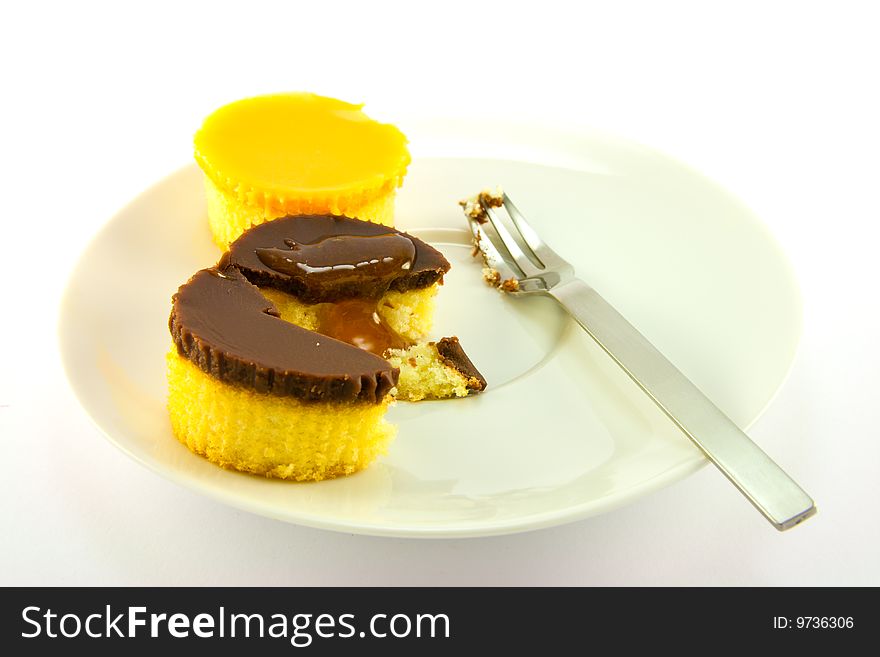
<point x="229" y="217"/>
<point x="271" y="435"/>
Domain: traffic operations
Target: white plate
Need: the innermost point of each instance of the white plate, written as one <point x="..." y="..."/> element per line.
<point x="561" y="433"/>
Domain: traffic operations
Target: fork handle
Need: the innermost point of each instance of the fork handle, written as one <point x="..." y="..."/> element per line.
<point x="765" y="484"/>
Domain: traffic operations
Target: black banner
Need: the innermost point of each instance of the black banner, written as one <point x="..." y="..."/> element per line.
<point x="430" y="621"/>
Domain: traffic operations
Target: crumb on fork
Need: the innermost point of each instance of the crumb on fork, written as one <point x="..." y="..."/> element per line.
<point x="475" y="206"/>
<point x="492" y="276"/>
<point x="509" y="285"/>
<point x="476" y="209"/>
<point x="477" y="237"/>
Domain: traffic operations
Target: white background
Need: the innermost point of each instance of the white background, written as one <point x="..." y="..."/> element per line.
<point x="776" y="101"/>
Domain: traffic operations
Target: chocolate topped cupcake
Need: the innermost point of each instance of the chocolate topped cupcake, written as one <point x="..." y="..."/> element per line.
<point x="289" y="350"/>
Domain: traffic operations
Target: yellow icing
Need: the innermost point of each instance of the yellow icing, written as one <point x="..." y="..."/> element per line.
<point x="291" y="148"/>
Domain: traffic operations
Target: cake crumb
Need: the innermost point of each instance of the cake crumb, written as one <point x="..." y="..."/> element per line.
<point x="510" y="285"/>
<point x="477" y="249"/>
<point x="475" y="206"/>
<point x="492" y="276"/>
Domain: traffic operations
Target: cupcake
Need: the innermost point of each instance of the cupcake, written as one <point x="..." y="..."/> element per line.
<point x="369" y="285"/>
<point x="297" y="153"/>
<point x="288" y="352"/>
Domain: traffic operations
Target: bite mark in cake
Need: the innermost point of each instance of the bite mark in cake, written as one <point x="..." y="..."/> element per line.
<point x="400" y="275"/>
<point x="347" y="276"/>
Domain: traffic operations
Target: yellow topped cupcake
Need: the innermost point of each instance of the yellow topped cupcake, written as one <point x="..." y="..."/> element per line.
<point x="297" y="153"/>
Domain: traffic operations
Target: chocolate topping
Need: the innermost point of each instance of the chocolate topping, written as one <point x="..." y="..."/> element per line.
<point x="222" y="323"/>
<point x="336" y="263"/>
<point x="452" y="354"/>
<point x="320" y="258"/>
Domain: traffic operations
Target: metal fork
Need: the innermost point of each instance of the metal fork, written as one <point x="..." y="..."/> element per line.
<point x="537" y="269"/>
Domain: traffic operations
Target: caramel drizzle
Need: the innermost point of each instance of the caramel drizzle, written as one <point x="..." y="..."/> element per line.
<point x="357" y="322"/>
<point x="341" y="260"/>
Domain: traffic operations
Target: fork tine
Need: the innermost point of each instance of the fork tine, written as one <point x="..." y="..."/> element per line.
<point x="510" y="245"/>
<point x="525" y="229"/>
<point x="544" y="254"/>
<point x="485" y="241"/>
